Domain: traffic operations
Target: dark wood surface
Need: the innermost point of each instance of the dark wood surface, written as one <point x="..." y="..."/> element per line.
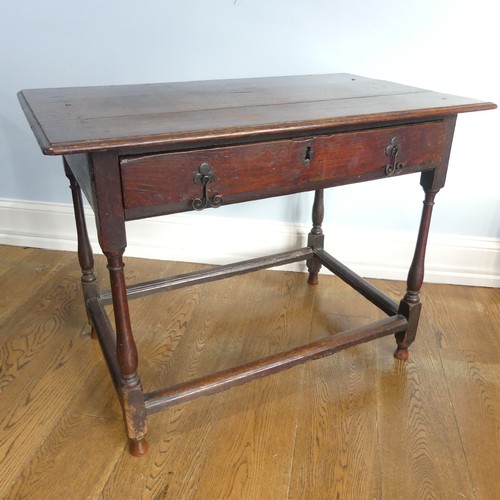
<point x="212" y="274"/>
<point x="75" y="120"/>
<point x="256" y="171"/>
<point x="146" y="150"/>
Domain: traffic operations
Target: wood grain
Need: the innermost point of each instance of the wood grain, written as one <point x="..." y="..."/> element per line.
<point x="25" y="337"/>
<point x="77" y="120"/>
<point x="474" y="388"/>
<point x="210" y="342"/>
<point x="252" y="416"/>
<point x="357" y="425"/>
<point x="337" y="435"/>
<point x="422" y="428"/>
<point x="73" y="443"/>
<point x="30" y="413"/>
<point x="248" y="171"/>
<point x="10" y="256"/>
<point x="21" y="266"/>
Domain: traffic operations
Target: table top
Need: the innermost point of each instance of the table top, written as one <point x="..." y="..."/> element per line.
<point x="87" y="119"/>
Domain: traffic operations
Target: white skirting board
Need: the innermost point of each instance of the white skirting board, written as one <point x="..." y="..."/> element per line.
<point x="211" y="239"/>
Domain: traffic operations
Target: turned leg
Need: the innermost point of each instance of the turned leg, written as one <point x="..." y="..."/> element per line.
<point x="410" y="305"/>
<point x="85" y="255"/>
<point x="134" y="410"/>
<point x="316" y="237"/>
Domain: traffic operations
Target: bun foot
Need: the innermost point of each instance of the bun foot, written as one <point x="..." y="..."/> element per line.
<point x="401" y="353"/>
<point x="313" y="279"/>
<point x="138" y="447"/>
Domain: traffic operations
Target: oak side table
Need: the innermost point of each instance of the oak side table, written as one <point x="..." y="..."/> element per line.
<point x="139" y="151"/>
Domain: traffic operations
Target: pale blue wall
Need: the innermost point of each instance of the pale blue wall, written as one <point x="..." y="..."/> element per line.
<point x="446" y="45"/>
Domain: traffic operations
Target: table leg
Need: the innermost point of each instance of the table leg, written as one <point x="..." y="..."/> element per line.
<point x="410" y="306"/>
<point x="316" y="237"/>
<point x="85" y="254"/>
<point x="134" y="410"/>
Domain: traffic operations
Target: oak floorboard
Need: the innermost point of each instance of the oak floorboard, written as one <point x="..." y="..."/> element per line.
<point x="77" y="450"/>
<point x="28" y="418"/>
<point x="336" y="435"/>
<point x="420" y="445"/>
<point x="457" y="316"/>
<point x="250" y="455"/>
<point x="22" y="277"/>
<point x="11" y="256"/>
<point x="473" y="381"/>
<point x="209" y="342"/>
<point x="490" y="298"/>
<point x="150" y="320"/>
<point x="165" y="332"/>
<point x="91" y="424"/>
<point x="358" y="424"/>
<point x="23" y="337"/>
<point x="177" y="322"/>
<point x="217" y="343"/>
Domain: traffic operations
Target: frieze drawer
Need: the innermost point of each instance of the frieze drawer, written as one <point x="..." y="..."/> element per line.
<point x="191" y="180"/>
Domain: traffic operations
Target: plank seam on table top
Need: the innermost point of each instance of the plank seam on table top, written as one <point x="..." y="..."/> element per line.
<point x="288" y="103"/>
<point x="79" y="125"/>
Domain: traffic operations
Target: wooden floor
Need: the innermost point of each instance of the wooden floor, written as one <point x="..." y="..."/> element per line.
<point x="357" y="425"/>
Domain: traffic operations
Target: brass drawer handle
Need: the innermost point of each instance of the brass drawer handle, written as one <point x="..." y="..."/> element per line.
<point x="203" y="178"/>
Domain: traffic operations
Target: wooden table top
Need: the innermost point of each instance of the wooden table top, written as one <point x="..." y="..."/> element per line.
<point x="86" y="119"/>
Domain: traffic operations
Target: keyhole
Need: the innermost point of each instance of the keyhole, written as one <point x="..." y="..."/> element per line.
<point x="308" y="155"/>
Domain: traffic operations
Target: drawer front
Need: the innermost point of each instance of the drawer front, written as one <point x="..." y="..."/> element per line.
<point x="174" y="182"/>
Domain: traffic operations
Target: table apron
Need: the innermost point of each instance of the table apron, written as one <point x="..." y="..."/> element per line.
<point x="162" y="183"/>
